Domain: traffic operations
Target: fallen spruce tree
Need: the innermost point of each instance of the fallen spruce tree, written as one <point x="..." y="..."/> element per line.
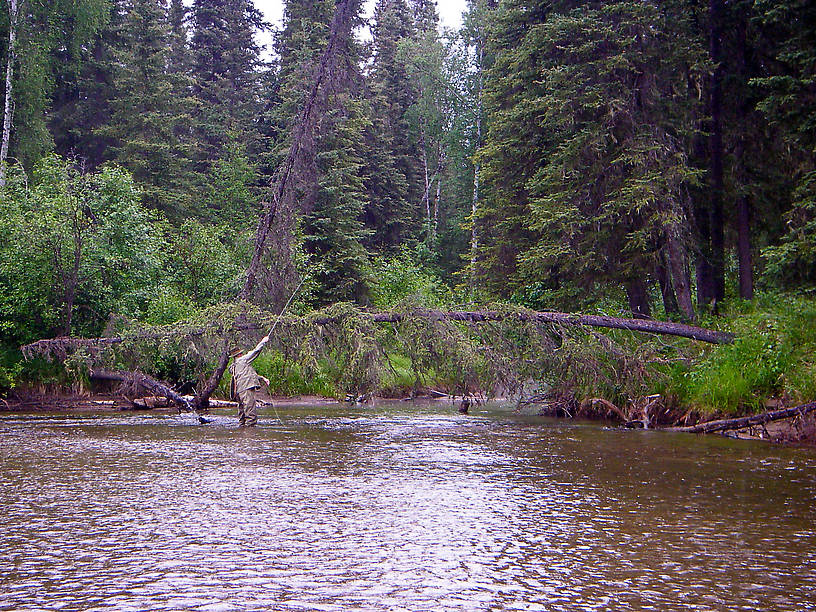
<point x="498" y="350"/>
<point x="501" y="350"/>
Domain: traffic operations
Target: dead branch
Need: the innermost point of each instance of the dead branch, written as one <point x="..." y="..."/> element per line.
<point x="146" y="382"/>
<point x="748" y="421"/>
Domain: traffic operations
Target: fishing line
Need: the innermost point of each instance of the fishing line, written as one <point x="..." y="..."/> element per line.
<point x="275" y="324"/>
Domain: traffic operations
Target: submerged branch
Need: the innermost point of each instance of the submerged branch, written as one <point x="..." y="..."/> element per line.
<point x="146" y="382"/>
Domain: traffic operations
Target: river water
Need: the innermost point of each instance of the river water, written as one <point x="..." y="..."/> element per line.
<point x="397" y="507"/>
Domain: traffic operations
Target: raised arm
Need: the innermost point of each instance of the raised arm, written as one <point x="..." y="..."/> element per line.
<point x="251" y="355"/>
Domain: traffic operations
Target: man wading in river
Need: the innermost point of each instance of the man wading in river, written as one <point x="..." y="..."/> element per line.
<point x="246" y="382"/>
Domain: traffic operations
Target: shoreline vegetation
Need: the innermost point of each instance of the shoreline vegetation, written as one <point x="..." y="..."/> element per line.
<point x="768" y="367"/>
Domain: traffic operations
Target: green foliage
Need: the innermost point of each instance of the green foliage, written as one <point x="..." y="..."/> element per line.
<point x="288" y="379"/>
<point x="334" y="230"/>
<point x="584" y="157"/>
<point x="395" y="279"/>
<point x="167" y="306"/>
<point x="10" y="370"/>
<point x="50" y="39"/>
<point x="792" y="262"/>
<point x="149" y="110"/>
<point x="232" y="184"/>
<point x="772" y="357"/>
<point x="226" y="76"/>
<point x="78" y="247"/>
<point x="202" y="262"/>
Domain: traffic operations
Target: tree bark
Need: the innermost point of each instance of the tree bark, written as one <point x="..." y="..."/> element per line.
<point x="202" y="398"/>
<point x="666" y="290"/>
<point x="638" y="294"/>
<point x="680" y="277"/>
<point x="9" y="99"/>
<point x="717" y="261"/>
<point x="426" y="194"/>
<point x="739" y="423"/>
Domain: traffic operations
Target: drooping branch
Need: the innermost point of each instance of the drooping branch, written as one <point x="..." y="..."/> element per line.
<point x="748" y="421"/>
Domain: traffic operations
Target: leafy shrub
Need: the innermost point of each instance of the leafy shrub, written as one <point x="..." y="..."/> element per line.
<point x="394" y="279"/>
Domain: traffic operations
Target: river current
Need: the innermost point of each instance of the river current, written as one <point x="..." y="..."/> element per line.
<point x="397" y="507"/>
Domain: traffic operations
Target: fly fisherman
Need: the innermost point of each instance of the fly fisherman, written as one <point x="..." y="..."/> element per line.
<point x="246" y="382"/>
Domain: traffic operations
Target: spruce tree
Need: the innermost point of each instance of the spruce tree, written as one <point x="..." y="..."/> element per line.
<point x="146" y="111"/>
<point x="393" y="94"/>
<point x="585" y="157"/>
<point x="788" y="101"/>
<point x="226" y="65"/>
<point x="51" y="38"/>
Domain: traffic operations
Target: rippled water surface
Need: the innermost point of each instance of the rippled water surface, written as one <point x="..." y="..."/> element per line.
<point x="397" y="507"/>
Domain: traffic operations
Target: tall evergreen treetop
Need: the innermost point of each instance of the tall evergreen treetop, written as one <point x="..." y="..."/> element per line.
<point x="226" y="63"/>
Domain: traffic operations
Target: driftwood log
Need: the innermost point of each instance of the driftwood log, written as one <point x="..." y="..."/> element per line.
<point x="748" y="421"/>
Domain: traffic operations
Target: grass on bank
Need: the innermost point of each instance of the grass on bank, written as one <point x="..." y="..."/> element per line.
<point x="772" y="358"/>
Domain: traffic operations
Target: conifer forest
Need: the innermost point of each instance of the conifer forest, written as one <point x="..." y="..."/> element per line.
<point x="170" y="186"/>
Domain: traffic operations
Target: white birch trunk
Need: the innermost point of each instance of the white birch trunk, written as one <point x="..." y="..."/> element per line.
<point x="474" y="209"/>
<point x="9" y="100"/>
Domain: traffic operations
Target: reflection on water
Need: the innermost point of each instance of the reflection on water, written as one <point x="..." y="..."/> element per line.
<point x="397" y="507"/>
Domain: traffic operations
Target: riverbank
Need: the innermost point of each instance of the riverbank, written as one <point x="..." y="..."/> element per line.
<point x="30" y="401"/>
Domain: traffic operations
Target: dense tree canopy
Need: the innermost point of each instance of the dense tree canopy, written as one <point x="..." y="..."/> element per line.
<point x="653" y="157"/>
